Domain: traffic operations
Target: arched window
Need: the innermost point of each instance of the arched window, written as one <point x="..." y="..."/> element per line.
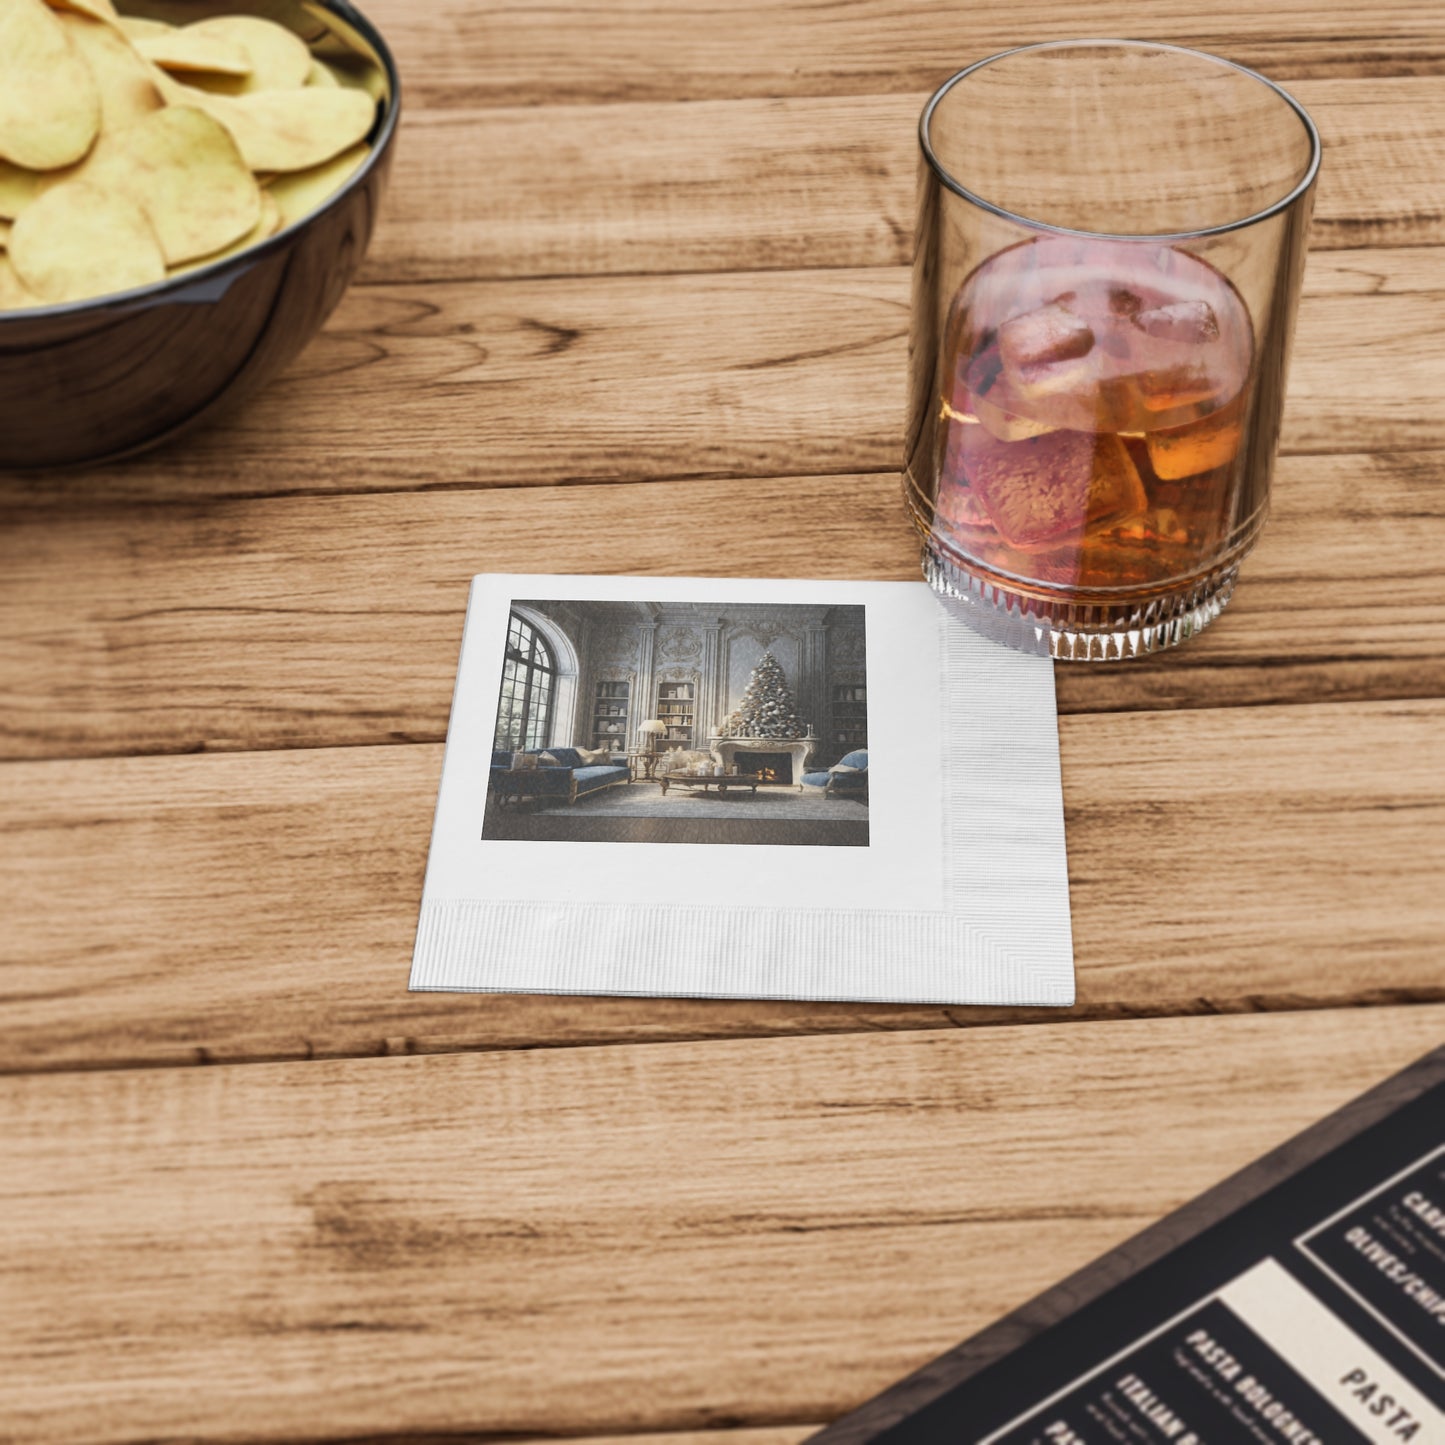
<point x="529" y="688"/>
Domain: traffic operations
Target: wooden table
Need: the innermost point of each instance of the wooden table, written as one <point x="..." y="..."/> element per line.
<point x="641" y="262"/>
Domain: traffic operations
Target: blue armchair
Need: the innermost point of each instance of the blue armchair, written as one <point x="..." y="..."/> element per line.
<point x="570" y="778"/>
<point x="852" y="782"/>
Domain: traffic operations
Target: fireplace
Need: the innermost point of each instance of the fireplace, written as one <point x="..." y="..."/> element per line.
<point x="770" y="767"/>
<point x="787" y="757"/>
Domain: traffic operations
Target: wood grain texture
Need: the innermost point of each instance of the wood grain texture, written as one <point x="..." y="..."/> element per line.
<point x="785" y="184"/>
<point x="456" y="53"/>
<point x="529" y="383"/>
<point x="306" y="622"/>
<point x="641" y="261"/>
<point x="262" y="906"/>
<point x="586" y="1240"/>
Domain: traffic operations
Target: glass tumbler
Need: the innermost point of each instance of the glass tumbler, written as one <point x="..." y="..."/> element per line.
<point x="1110" y="241"/>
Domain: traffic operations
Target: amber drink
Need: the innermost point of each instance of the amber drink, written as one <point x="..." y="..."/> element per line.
<point x="1096" y="414"/>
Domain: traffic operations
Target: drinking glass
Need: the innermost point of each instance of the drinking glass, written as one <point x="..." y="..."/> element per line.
<point x="1110" y="241"/>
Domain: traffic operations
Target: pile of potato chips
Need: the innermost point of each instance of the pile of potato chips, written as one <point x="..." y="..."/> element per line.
<point x="132" y="150"/>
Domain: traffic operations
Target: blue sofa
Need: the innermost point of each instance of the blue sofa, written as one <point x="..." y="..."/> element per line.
<point x="850" y="785"/>
<point x="570" y="779"/>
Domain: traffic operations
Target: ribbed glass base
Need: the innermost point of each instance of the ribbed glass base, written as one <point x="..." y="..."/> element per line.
<point x="1093" y="631"/>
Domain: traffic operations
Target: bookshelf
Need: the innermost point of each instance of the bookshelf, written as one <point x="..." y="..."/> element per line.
<point x="848" y="727"/>
<point x="610" y="711"/>
<point x="676" y="704"/>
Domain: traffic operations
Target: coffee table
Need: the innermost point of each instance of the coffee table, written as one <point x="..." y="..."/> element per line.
<point x="736" y="781"/>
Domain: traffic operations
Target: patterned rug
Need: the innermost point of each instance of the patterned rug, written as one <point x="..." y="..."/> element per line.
<point x="645" y="800"/>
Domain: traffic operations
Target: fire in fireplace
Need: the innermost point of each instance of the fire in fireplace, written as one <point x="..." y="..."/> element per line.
<point x="770" y="767"/>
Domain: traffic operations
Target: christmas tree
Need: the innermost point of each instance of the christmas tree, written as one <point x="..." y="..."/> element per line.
<point x="767" y="709"/>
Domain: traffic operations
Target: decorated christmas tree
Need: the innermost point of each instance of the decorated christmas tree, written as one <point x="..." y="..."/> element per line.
<point x="767" y="709"/>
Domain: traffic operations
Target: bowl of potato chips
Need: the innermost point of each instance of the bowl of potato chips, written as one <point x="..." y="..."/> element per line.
<point x="186" y="190"/>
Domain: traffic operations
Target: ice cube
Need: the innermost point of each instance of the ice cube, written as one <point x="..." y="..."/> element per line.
<point x="1042" y="337"/>
<point x="1171" y="388"/>
<point x="1058" y="367"/>
<point x="1169" y="377"/>
<point x="1193" y="322"/>
<point x="1201" y="446"/>
<point x="959" y="510"/>
<point x="1007" y="426"/>
<point x="989" y="398"/>
<point x="1087" y="393"/>
<point x="1045" y="490"/>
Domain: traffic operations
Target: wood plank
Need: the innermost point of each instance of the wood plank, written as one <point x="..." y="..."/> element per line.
<point x="262" y="906"/>
<point x="304" y="622"/>
<point x="603" y="1240"/>
<point x="457" y="53"/>
<point x="783" y="184"/>
<point x="641" y="378"/>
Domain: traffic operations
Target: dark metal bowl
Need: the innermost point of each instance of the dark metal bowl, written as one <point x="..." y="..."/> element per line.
<point x="97" y="379"/>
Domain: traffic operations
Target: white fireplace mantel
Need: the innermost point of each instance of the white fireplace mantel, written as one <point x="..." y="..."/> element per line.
<point x="798" y="749"/>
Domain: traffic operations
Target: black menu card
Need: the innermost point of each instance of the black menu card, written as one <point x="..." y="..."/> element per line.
<point x="1301" y="1302"/>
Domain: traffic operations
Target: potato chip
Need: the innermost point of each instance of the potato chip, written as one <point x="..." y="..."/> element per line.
<point x="279" y="58"/>
<point x="282" y="130"/>
<point x="13" y="295"/>
<point x="134" y="27"/>
<point x="78" y="241"/>
<point x="263" y="230"/>
<point x="131" y="148"/>
<point x="190" y="49"/>
<point x="214" y="84"/>
<point x="127" y="93"/>
<point x="96" y="9"/>
<point x="298" y="193"/>
<point x="181" y="167"/>
<point x="18" y="187"/>
<point x="49" y="105"/>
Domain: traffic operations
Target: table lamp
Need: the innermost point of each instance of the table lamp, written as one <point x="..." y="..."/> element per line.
<point x="651" y="730"/>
